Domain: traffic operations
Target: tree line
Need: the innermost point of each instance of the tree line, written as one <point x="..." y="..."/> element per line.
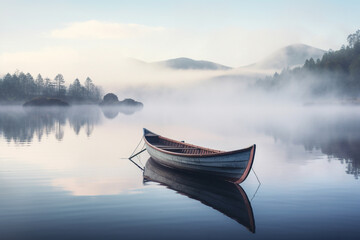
<point x="20" y="86"/>
<point x="336" y="72"/>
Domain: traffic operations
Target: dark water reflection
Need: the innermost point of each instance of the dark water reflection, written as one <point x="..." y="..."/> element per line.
<point x="228" y="198"/>
<point x="336" y="136"/>
<point x="21" y="125"/>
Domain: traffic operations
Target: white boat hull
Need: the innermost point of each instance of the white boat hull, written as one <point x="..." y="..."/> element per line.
<point x="231" y="167"/>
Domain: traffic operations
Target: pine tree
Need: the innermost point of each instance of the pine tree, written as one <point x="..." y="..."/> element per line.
<point x="59" y="85"/>
<point x="39" y="85"/>
<point x="89" y="87"/>
<point x="49" y="88"/>
<point x="75" y="89"/>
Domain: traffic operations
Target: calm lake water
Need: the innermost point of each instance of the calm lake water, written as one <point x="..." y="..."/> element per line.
<point x="64" y="174"/>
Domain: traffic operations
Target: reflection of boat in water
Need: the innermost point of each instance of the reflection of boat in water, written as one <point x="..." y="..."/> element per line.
<point x="228" y="198"/>
<point x="233" y="166"/>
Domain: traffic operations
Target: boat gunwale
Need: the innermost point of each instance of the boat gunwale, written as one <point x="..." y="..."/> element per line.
<point x="217" y="153"/>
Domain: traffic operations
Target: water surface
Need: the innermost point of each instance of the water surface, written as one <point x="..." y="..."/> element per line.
<point x="64" y="174"/>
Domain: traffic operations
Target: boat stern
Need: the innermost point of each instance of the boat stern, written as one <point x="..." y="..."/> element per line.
<point x="249" y="165"/>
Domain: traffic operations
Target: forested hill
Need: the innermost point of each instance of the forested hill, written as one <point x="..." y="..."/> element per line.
<point x="336" y="73"/>
<point x="20" y="87"/>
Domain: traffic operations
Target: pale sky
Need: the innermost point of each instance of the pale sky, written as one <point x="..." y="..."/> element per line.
<point x="72" y="36"/>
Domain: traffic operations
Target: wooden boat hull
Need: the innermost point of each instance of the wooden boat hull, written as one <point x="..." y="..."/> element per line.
<point x="228" y="198"/>
<point x="232" y="166"/>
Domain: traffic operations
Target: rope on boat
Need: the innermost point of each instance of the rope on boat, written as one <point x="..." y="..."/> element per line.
<point x="132" y="155"/>
<point x="256" y="175"/>
<point x="137" y="155"/>
<point x="142" y="169"/>
<point x="258" y="185"/>
<point x="255" y="192"/>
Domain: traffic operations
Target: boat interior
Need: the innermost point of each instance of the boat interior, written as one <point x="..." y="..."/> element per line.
<point x="176" y="146"/>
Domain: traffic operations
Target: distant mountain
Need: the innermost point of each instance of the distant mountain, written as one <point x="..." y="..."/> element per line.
<point x="191" y="64"/>
<point x="336" y="75"/>
<point x="290" y="56"/>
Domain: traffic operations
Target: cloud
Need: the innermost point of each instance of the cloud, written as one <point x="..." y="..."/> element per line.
<point x="103" y="30"/>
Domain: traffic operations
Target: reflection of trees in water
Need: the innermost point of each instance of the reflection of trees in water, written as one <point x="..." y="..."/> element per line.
<point x="338" y="137"/>
<point x="59" y="131"/>
<point x="348" y="151"/>
<point x="22" y="125"/>
<point x="84" y="117"/>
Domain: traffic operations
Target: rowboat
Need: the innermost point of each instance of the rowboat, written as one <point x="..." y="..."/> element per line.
<point x="228" y="198"/>
<point x="232" y="166"/>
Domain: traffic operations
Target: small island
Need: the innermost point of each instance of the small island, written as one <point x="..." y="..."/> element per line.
<point x="111" y="106"/>
<point x="46" y="102"/>
<point x="112" y="100"/>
